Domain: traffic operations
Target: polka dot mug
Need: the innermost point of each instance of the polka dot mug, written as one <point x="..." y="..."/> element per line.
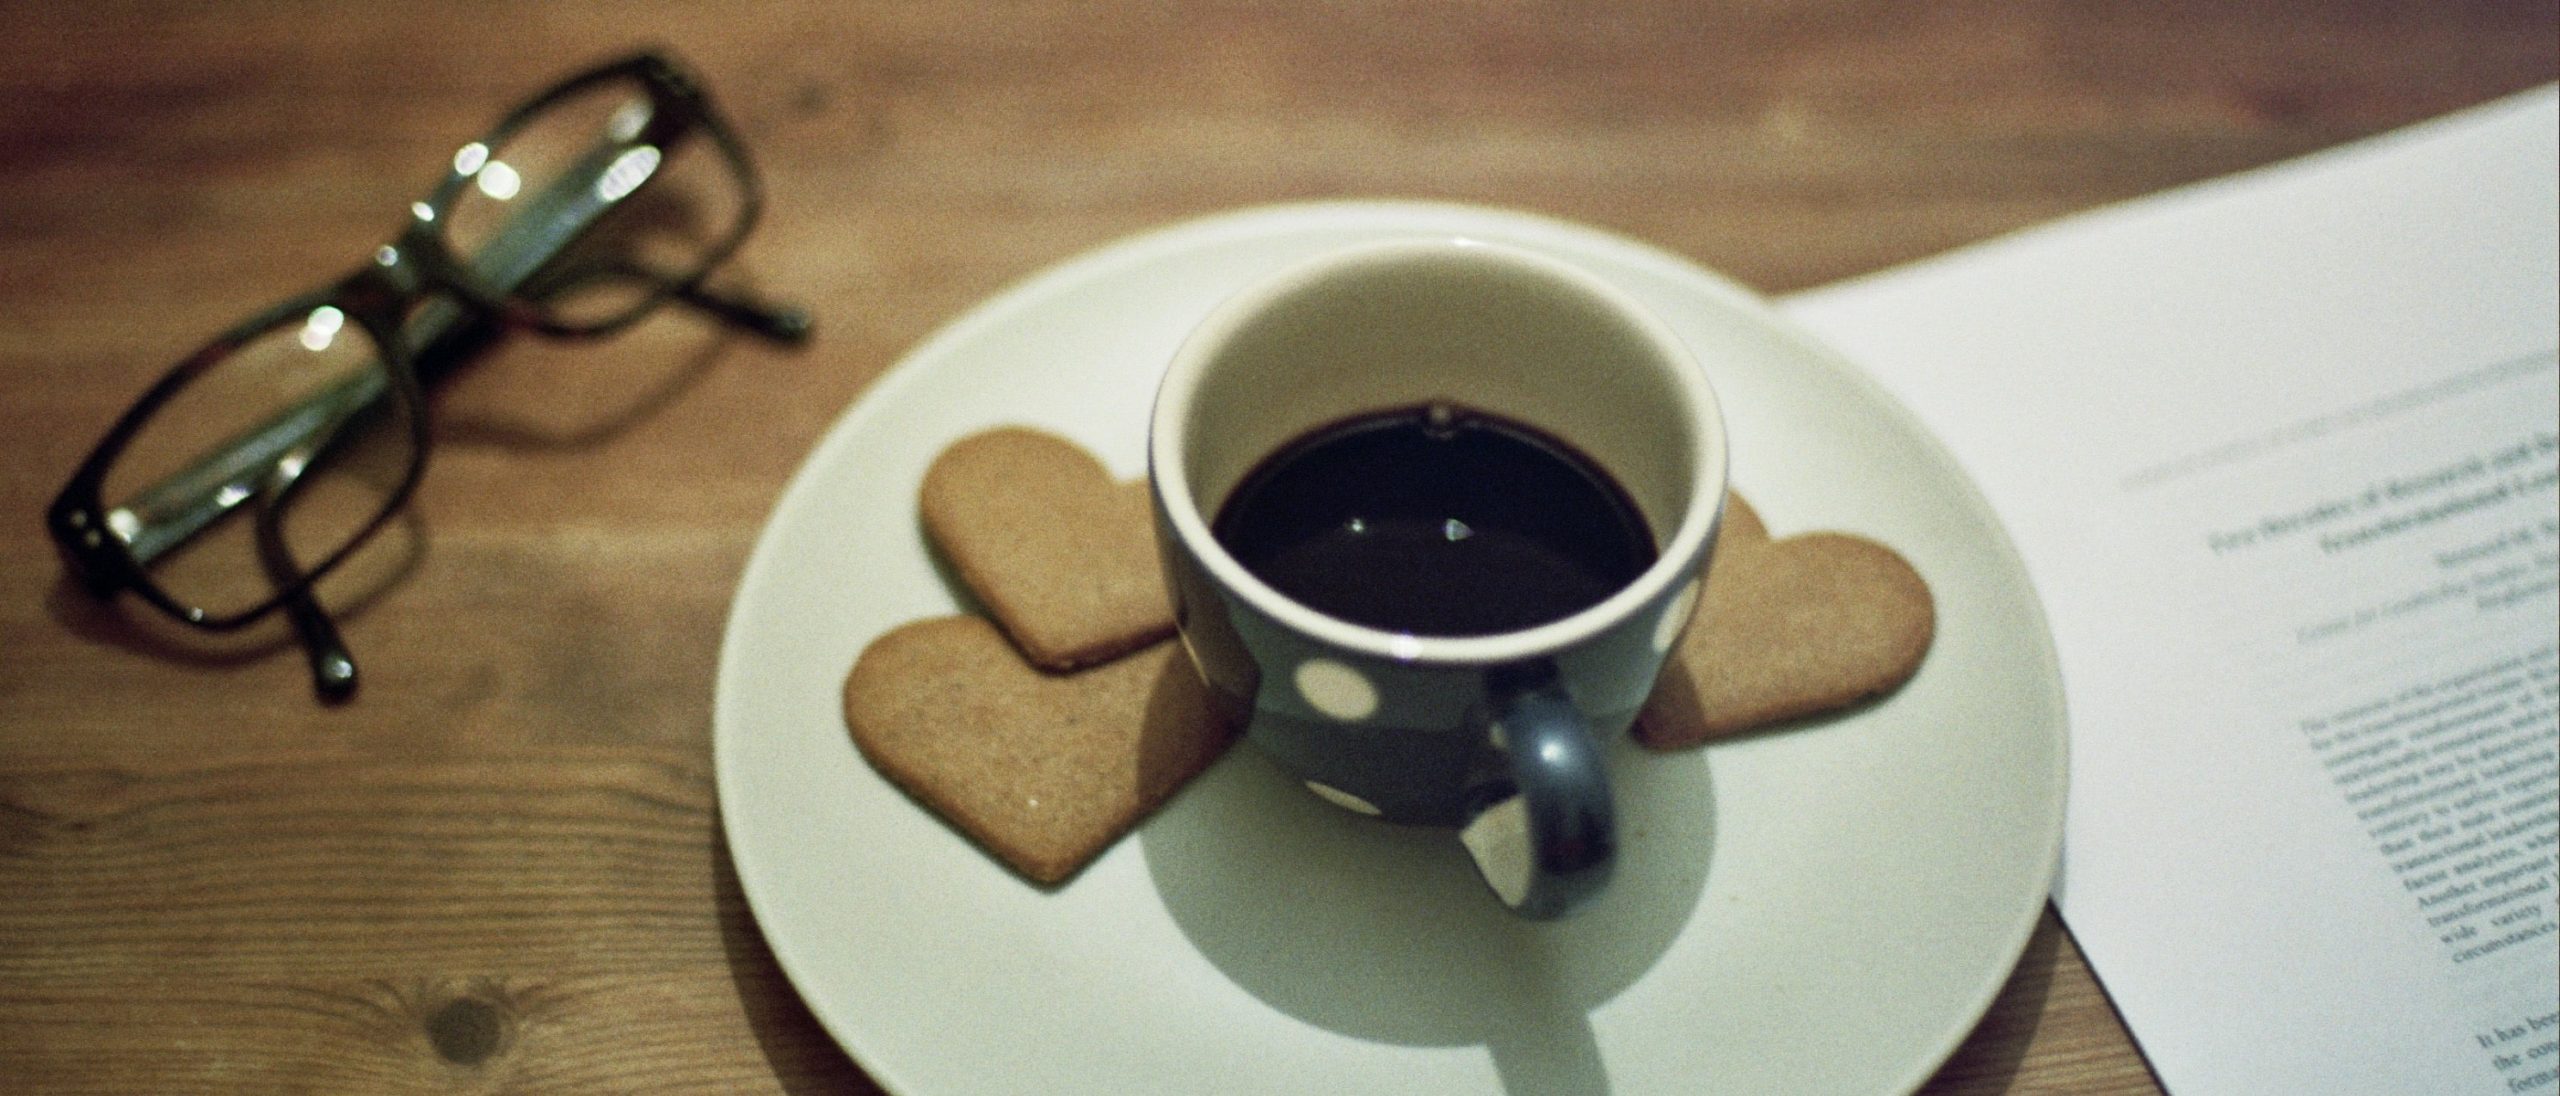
<point x="1496" y="735"/>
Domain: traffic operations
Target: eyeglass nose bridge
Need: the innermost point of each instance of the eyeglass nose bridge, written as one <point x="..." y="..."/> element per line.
<point x="397" y="265"/>
<point x="417" y="264"/>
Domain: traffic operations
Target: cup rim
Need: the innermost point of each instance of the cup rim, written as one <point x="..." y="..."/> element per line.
<point x="1677" y="564"/>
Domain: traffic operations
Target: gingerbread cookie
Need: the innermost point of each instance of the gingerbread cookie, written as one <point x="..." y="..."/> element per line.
<point x="1788" y="629"/>
<point x="1063" y="556"/>
<point x="1043" y="770"/>
<point x="1046" y="769"/>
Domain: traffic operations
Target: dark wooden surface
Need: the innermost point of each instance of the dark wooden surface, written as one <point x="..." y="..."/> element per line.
<point x="499" y="870"/>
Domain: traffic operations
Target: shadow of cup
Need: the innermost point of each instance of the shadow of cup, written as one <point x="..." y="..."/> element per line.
<point x="1386" y="933"/>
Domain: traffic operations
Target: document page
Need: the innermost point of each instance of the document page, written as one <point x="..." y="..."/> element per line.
<point x="2282" y="454"/>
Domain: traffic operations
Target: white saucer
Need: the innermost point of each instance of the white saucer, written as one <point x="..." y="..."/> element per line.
<point x="1826" y="908"/>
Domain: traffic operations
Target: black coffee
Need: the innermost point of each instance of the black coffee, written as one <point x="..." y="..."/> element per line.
<point x="1435" y="521"/>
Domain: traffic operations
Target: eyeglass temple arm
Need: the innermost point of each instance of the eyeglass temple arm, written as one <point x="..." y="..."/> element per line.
<point x="772" y="320"/>
<point x="769" y="320"/>
<point x="333" y="667"/>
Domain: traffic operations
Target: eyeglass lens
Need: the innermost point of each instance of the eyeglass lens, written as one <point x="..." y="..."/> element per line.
<point x="557" y="214"/>
<point x="306" y="457"/>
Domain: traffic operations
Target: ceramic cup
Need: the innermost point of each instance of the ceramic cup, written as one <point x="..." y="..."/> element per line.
<point x="1496" y="736"/>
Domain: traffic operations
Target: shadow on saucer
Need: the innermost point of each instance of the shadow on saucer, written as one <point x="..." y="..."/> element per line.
<point x="1385" y="933"/>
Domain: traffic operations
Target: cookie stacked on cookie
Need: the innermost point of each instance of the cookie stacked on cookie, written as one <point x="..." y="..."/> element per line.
<point x="1048" y="731"/>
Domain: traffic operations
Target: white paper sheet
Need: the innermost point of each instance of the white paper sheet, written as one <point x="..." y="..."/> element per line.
<point x="2280" y="453"/>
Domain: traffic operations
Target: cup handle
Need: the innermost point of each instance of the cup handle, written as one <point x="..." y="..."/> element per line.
<point x="1544" y="836"/>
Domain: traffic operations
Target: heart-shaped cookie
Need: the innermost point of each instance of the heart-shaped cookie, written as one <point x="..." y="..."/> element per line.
<point x="1043" y="770"/>
<point x="1059" y="552"/>
<point x="1787" y="629"/>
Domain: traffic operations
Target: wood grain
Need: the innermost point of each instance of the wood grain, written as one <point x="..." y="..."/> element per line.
<point x="499" y="869"/>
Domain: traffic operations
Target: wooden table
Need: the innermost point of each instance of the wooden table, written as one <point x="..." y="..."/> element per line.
<point x="499" y="869"/>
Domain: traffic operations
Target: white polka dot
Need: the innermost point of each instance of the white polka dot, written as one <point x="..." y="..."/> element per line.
<point x="1337" y="690"/>
<point x="1342" y="799"/>
<point x="1666" y="631"/>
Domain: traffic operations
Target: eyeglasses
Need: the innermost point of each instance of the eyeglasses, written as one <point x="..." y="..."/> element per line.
<point x="260" y="462"/>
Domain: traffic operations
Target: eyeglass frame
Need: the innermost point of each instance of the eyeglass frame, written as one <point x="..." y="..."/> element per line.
<point x="418" y="270"/>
